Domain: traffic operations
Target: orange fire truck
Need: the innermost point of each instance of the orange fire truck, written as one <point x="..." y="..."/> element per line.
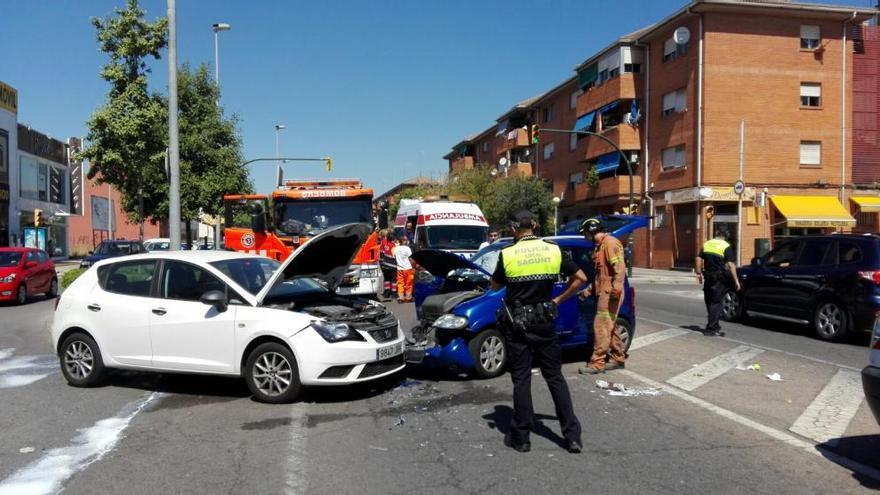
<point x="299" y="210"/>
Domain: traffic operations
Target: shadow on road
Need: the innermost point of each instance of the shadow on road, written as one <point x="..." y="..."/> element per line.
<point x="861" y="449"/>
<point x="500" y="420"/>
<point x="857" y="338"/>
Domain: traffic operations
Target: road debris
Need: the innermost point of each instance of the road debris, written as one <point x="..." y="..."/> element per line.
<point x="383" y="449"/>
<point x="776" y="377"/>
<point x="751" y="367"/>
<point x="409" y="383"/>
<point x="621" y="390"/>
<point x="399" y="421"/>
<point x="26" y="450"/>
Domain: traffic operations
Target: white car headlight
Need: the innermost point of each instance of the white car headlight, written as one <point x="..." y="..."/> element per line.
<point x="335" y="332"/>
<point x="8" y="278"/>
<point x="451" y="322"/>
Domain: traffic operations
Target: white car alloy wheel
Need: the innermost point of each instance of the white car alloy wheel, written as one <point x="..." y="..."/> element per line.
<point x="730" y="309"/>
<point x="272" y="374"/>
<point x="81" y="362"/>
<point x="830" y="322"/>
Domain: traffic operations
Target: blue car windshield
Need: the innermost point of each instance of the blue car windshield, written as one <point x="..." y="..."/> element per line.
<point x="485" y="258"/>
<point x="114" y="248"/>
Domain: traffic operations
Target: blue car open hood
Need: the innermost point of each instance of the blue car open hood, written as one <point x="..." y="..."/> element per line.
<point x="440" y="263"/>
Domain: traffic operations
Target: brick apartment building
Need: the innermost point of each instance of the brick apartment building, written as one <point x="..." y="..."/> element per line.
<point x="796" y="81"/>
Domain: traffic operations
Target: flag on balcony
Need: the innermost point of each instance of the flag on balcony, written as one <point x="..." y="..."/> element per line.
<point x="633" y="117"/>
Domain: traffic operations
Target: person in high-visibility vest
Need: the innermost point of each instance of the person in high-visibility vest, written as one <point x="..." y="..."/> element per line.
<point x="607" y="287"/>
<point x="528" y="269"/>
<point x="716" y="267"/>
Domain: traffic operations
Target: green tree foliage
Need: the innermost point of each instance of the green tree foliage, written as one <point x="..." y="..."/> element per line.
<point x="71" y="275"/>
<point x="592" y="177"/>
<point x="127" y="135"/>
<point x="210" y="146"/>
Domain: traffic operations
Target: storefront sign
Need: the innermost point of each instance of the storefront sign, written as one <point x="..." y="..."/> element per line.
<point x="41" y="145"/>
<point x="692" y="194"/>
<point x="76" y="177"/>
<point x="819" y="223"/>
<point x="8" y="98"/>
<point x="101" y="214"/>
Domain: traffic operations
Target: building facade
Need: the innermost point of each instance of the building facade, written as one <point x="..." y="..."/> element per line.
<point x="8" y="154"/>
<point x="735" y="116"/>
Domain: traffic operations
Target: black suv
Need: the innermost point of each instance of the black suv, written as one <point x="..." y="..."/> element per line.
<point x="831" y="282"/>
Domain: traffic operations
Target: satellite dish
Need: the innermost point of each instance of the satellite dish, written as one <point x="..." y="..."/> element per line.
<point x="502" y="161"/>
<point x="681" y="35"/>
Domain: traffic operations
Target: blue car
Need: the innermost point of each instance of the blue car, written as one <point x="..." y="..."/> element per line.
<point x="456" y="308"/>
<point x="112" y="249"/>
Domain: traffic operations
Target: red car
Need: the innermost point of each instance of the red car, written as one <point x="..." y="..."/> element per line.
<point x="25" y="272"/>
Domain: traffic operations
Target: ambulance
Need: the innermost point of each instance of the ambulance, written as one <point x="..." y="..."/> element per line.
<point x="444" y="223"/>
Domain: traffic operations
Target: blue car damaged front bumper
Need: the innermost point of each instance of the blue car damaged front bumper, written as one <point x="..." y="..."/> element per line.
<point x="453" y="354"/>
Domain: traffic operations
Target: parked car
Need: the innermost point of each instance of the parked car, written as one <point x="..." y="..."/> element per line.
<point x="112" y="249"/>
<point x="830" y="282"/>
<point x="457" y="309"/>
<point x="280" y="326"/>
<point x="871" y="373"/>
<point x="157" y="244"/>
<point x="26" y="272"/>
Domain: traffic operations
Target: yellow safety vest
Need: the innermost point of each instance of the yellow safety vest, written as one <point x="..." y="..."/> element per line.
<point x="716" y="247"/>
<point x="531" y="259"/>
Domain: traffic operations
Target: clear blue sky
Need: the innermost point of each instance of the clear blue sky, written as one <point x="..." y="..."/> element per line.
<point x="385" y="87"/>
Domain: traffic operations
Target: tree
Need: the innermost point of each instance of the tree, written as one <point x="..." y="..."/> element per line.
<point x="210" y="147"/>
<point x="127" y="135"/>
<point x="513" y="194"/>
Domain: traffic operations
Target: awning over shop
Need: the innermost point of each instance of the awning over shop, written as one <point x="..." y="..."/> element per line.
<point x="813" y="211"/>
<point x="608" y="162"/>
<point x="867" y="204"/>
<point x="585" y="122"/>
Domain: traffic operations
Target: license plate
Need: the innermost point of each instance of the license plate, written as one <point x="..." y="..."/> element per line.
<point x="389" y="351"/>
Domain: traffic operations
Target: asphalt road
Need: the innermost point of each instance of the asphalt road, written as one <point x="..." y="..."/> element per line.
<point x="688" y="421"/>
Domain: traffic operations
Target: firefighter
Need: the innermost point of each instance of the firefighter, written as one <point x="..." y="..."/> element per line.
<point x="607" y="286"/>
<point x="528" y="269"/>
<point x="715" y="268"/>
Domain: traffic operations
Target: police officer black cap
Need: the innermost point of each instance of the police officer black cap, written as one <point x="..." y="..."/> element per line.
<point x="591" y="226"/>
<point x="523" y="219"/>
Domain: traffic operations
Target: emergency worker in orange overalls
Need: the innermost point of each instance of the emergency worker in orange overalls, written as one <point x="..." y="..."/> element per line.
<point x="607" y="286"/>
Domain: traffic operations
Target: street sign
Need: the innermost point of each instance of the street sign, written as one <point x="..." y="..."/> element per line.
<point x="739" y="187"/>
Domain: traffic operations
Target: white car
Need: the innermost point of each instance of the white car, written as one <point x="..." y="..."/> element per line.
<point x="280" y="326"/>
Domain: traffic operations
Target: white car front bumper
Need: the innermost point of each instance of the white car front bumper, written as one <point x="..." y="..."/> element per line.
<point x="341" y="363"/>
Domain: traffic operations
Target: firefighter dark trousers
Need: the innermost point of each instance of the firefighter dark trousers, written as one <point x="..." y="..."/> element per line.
<point x="714" y="287"/>
<point x="549" y="356"/>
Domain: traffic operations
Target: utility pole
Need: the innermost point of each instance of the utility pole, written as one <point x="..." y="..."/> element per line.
<point x="279" y="172"/>
<point x="739" y="211"/>
<point x="220" y="26"/>
<point x="173" y="145"/>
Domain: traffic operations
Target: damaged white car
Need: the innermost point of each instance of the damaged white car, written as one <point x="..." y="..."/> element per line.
<point x="279" y="325"/>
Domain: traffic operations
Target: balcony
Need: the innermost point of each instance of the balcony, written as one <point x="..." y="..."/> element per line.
<point x="517" y="138"/>
<point x="462" y="163"/>
<point x="616" y="187"/>
<point x="523" y="169"/>
<point x="625" y="136"/>
<point x="624" y="86"/>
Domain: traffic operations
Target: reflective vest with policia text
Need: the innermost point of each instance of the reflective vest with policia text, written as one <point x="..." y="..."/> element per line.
<point x="532" y="260"/>
<point x="716" y="247"/>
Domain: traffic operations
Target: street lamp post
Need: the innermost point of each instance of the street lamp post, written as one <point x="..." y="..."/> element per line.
<point x="278" y="172"/>
<point x="556" y="201"/>
<point x="217" y="28"/>
<point x="629" y="170"/>
<point x="173" y="137"/>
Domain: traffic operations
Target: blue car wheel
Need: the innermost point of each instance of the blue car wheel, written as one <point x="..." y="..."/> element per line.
<point x="489" y="351"/>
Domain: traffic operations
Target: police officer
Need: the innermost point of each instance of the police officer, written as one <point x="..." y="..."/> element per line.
<point x="715" y="267"/>
<point x="528" y="269"/>
<point x="607" y="287"/>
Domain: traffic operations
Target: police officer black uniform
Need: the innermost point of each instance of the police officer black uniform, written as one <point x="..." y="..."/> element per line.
<point x="716" y="267"/>
<point x="528" y="269"/>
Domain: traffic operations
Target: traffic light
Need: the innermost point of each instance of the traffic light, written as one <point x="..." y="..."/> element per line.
<point x="38" y="217"/>
<point x="329" y="163"/>
<point x="535" y="133"/>
<point x="710" y="212"/>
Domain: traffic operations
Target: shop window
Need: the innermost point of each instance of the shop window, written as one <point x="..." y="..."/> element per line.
<point x="811" y="95"/>
<point x="33" y="179"/>
<point x="659" y="217"/>
<point x="810" y="37"/>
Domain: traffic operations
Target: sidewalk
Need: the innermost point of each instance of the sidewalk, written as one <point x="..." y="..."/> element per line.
<point x="655" y="276"/>
<point x="65" y="266"/>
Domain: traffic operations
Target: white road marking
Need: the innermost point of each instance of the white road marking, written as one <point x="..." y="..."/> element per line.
<point x="703" y="373"/>
<point x="48" y="474"/>
<point x="653" y="338"/>
<point x="782" y="436"/>
<point x="296" y="481"/>
<point x="827" y="417"/>
<point x="19" y="371"/>
<point x="766" y="348"/>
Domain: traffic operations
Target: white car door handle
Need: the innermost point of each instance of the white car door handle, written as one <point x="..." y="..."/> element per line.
<point x="159" y="311"/>
<point x="94" y="307"/>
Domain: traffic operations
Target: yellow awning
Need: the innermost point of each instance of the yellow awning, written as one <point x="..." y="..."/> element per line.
<point x="813" y="211"/>
<point x="868" y="204"/>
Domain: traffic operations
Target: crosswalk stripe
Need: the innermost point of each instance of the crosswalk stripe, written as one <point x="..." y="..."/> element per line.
<point x="653" y="338"/>
<point x="705" y="372"/>
<point x="827" y="417"/>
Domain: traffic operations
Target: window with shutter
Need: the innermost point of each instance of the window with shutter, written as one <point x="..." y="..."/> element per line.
<point x="548" y="151"/>
<point x="811" y="153"/>
<point x="810" y="37"/>
<point x="811" y="94"/>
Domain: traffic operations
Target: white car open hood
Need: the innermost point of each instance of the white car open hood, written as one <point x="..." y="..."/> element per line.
<point x="326" y="257"/>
